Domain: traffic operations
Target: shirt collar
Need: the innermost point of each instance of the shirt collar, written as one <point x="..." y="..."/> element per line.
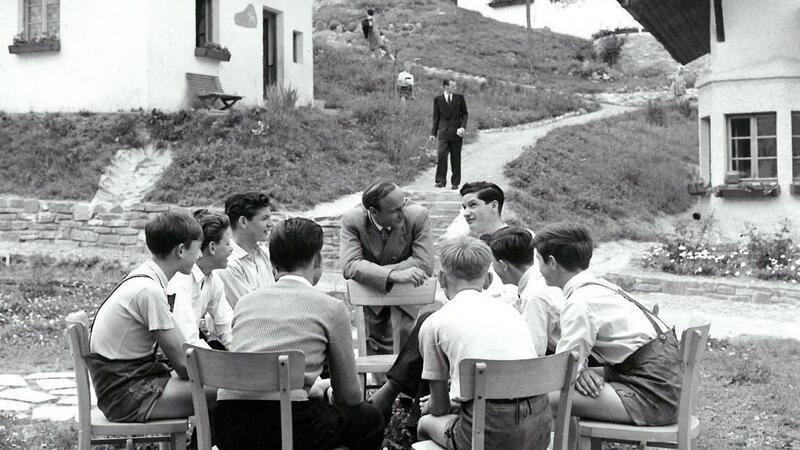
<point x="529" y="275"/>
<point x="197" y="274"/>
<point x="576" y="282"/>
<point x="371" y="219"/>
<point x="237" y="252"/>
<point x="162" y="277"/>
<point x="297" y="278"/>
<point x="465" y="294"/>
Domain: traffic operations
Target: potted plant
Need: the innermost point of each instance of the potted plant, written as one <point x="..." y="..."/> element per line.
<point x="752" y="189"/>
<point x="214" y="51"/>
<point x="40" y="43"/>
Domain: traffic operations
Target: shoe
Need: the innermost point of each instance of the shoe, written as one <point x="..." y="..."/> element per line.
<point x="438" y="185"/>
<point x="453" y="187"/>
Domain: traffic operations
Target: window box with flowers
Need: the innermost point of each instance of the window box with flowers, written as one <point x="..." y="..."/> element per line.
<point x="38" y="44"/>
<point x="749" y="189"/>
<point x="213" y="51"/>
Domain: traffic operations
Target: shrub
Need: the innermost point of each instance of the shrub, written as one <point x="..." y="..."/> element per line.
<point x="656" y="114"/>
<point x="610" y="49"/>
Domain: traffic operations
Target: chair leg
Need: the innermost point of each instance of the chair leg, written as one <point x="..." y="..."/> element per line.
<point x="84" y="441"/>
<point x="363" y="378"/>
<point x="585" y="443"/>
<point x="129" y="444"/>
<point x="165" y="445"/>
<point x="178" y="441"/>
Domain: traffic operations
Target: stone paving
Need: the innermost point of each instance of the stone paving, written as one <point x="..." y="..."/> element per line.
<point x="42" y="396"/>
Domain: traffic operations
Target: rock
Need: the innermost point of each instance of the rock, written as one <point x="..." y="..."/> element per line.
<point x="26" y="395"/>
<point x="12" y="380"/>
<point x="54" y="413"/>
<point x="55" y="383"/>
<point x="46" y="375"/>
<point x="11" y="405"/>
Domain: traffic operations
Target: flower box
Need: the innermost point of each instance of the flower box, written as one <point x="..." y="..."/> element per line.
<point x="34" y="47"/>
<point x="697" y="188"/>
<point x="213" y="53"/>
<point x="748" y="190"/>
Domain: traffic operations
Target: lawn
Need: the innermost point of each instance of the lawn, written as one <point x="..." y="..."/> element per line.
<point x="748" y="395"/>
<point x="617" y="176"/>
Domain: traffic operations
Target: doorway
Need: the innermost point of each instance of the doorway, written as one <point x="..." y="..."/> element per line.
<point x="270" y="40"/>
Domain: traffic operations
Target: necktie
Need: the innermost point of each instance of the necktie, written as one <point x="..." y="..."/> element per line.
<point x="385" y="235"/>
<point x="171" y="301"/>
<point x="448" y="98"/>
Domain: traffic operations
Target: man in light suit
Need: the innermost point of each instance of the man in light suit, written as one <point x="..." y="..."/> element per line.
<point x="449" y="125"/>
<point x="386" y="241"/>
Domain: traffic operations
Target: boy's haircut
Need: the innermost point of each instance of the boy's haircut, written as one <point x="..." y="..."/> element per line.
<point x="446" y="82"/>
<point x="245" y="205"/>
<point x="375" y="192"/>
<point x="465" y="257"/>
<point x="511" y="244"/>
<point x="370" y="11"/>
<point x="488" y="192"/>
<point x="214" y="226"/>
<point x="294" y="243"/>
<point x="167" y="230"/>
<point x="570" y="245"/>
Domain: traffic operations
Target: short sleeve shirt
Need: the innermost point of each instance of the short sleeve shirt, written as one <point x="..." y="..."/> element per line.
<point x="246" y="272"/>
<point x="471" y="325"/>
<point x="123" y="328"/>
<point x="195" y="295"/>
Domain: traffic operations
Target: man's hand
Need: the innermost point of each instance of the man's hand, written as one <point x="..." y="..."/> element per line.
<point x="413" y="275"/>
<point x="460" y="132"/>
<point x="589" y="383"/>
<point x="431" y="138"/>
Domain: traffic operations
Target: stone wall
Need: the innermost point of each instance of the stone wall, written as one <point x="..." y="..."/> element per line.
<point x="739" y="290"/>
<point x="82" y="223"/>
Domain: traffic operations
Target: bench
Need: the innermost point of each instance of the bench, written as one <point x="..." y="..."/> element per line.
<point x="208" y="89"/>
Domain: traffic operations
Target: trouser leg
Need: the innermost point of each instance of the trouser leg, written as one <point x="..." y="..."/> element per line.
<point x="441" y="164"/>
<point x="455" y="161"/>
<point x="379" y="331"/>
<point x="406" y="372"/>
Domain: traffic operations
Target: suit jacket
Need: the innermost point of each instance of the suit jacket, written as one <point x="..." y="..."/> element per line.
<point x="449" y="117"/>
<point x="364" y="258"/>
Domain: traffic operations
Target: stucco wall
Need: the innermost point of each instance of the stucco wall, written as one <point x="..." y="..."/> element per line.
<point x="111" y="61"/>
<point x="756" y="69"/>
<point x="101" y="66"/>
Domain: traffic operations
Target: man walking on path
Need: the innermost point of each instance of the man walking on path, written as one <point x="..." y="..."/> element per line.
<point x="449" y="124"/>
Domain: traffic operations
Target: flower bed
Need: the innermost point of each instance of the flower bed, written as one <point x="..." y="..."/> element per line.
<point x="767" y="256"/>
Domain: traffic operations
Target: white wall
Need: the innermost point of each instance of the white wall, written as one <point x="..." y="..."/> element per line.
<point x="581" y="18"/>
<point x="119" y="55"/>
<point x="101" y="65"/>
<point x="756" y="69"/>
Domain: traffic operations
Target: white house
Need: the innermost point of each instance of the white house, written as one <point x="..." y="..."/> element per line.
<point x="111" y="55"/>
<point x="580" y="18"/>
<point x="748" y="102"/>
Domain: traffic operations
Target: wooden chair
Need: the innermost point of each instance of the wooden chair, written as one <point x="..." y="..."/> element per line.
<point x="488" y="380"/>
<point x="279" y="372"/>
<point x="93" y="427"/>
<point x="681" y="435"/>
<point x="208" y="89"/>
<point x="400" y="295"/>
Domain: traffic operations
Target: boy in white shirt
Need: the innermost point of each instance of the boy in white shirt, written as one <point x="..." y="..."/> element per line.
<point x="540" y="304"/>
<point x="202" y="292"/>
<point x="405" y="82"/>
<point x="640" y="380"/>
<point x="474" y="325"/>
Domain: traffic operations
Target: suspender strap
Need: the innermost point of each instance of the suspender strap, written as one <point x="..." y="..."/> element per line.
<point x="112" y="293"/>
<point x="661" y="334"/>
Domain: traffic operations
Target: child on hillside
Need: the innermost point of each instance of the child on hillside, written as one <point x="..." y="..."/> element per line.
<point x="640" y="381"/>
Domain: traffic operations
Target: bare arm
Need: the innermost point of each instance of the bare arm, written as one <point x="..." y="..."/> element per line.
<point x="440" y="398"/>
<point x="171" y="343"/>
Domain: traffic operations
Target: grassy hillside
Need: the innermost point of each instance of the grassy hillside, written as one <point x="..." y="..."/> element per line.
<point x="614" y="175"/>
<point x="465" y="41"/>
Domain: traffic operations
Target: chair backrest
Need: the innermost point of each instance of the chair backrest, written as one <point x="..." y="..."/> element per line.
<point x="491" y="379"/>
<point x="401" y="295"/>
<point x="77" y="336"/>
<point x="692" y="347"/>
<point x="201" y="84"/>
<point x="262" y="372"/>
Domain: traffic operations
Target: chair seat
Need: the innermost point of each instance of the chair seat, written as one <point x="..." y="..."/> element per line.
<point x="104" y="427"/>
<point x="426" y="445"/>
<point x="608" y="430"/>
<point x="374" y="363"/>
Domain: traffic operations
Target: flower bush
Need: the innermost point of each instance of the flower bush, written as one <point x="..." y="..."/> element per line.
<point x="21" y="38"/>
<point x="763" y="255"/>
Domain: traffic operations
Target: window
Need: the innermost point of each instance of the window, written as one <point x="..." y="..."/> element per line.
<point x="203" y="21"/>
<point x="41" y="19"/>
<point x="753" y="146"/>
<point x="298" y="47"/>
<point x="796" y="145"/>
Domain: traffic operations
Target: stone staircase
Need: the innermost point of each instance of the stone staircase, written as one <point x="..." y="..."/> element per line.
<point x="444" y="205"/>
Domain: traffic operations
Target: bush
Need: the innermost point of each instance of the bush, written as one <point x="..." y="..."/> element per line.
<point x="656" y="114"/>
<point x="610" y="49"/>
